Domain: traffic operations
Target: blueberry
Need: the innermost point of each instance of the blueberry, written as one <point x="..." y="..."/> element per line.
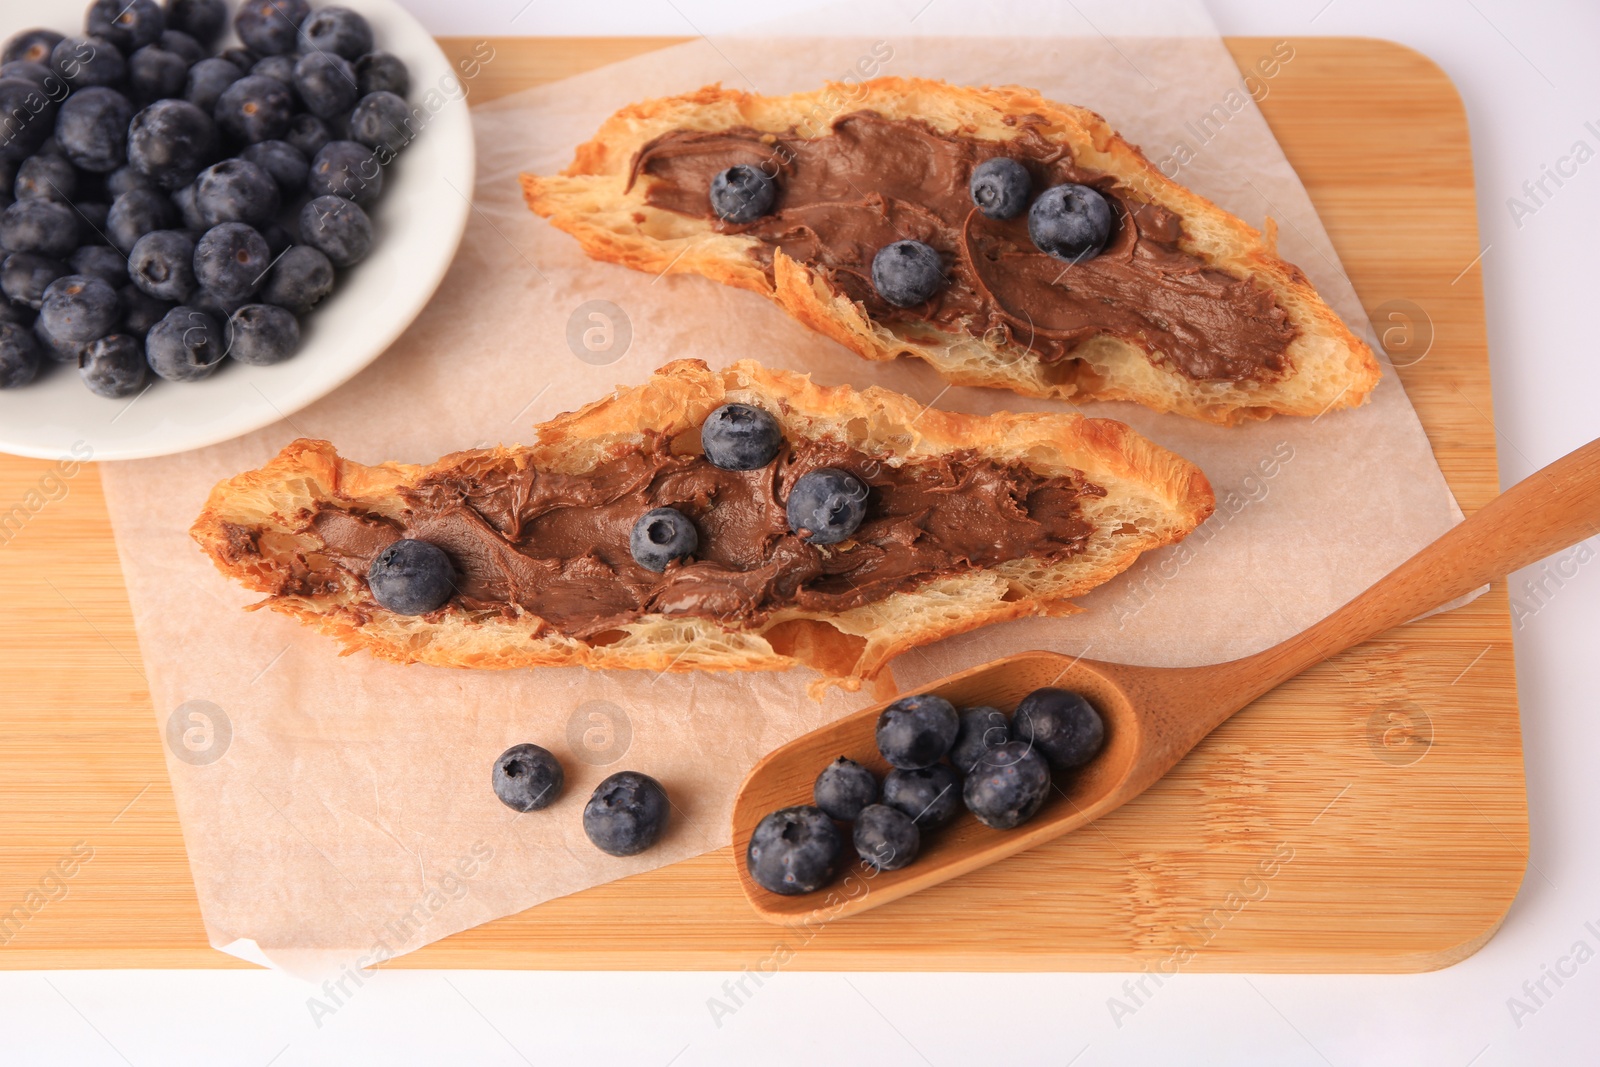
<point x="794" y="850"/>
<point x="338" y="30"/>
<point x="278" y="239"/>
<point x="113" y="366"/>
<point x="41" y="226"/>
<point x="326" y="83"/>
<point x="1000" y="187"/>
<point x="128" y="24"/>
<point x="201" y="19"/>
<point x="39" y="73"/>
<point x="1062" y="725"/>
<point x="907" y="273"/>
<point x="916" y="731"/>
<point x="184" y="45"/>
<point x="46" y="178"/>
<point x="218" y="307"/>
<point x="739" y="437"/>
<point x="185" y="346"/>
<point x="207" y="80"/>
<point x="307" y="133"/>
<point x="170" y="141"/>
<point x="189" y="209"/>
<point x="254" y="108"/>
<point x="826" y="505"/>
<point x="270" y="27"/>
<point x="929" y="795"/>
<point x="136" y="213"/>
<point x="278" y="68"/>
<point x="126" y="179"/>
<point x="19" y="355"/>
<point x="235" y="190"/>
<point x="16" y="314"/>
<point x="55" y="348"/>
<point x="155" y="73"/>
<point x="337" y="228"/>
<point x="242" y="58"/>
<point x="380" y="72"/>
<point x="982" y="728"/>
<point x="92" y="128"/>
<point x="886" y="838"/>
<point x="31" y="46"/>
<point x="101" y="261"/>
<point x="1008" y="787"/>
<point x="660" y="536"/>
<point x="24" y="276"/>
<point x="346" y="169"/>
<point x="78" y="308"/>
<point x="231" y="259"/>
<point x="286" y="163"/>
<point x="843" y="788"/>
<point x="261" y="335"/>
<point x="411" y="577"/>
<point x="88" y="61"/>
<point x="1071" y="222"/>
<point x="22" y="128"/>
<point x="627" y="813"/>
<point x="742" y="194"/>
<point x="162" y="264"/>
<point x="140" y="310"/>
<point x="382" y="120"/>
<point x="527" y="778"/>
<point x="299" y="278"/>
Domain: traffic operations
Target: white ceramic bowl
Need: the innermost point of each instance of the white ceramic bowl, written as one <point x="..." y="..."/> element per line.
<point x="418" y="221"/>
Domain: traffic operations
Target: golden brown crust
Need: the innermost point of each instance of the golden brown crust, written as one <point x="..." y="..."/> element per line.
<point x="1329" y="366"/>
<point x="257" y="519"/>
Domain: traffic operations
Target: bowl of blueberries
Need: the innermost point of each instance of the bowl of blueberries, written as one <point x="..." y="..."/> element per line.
<point x="213" y="212"/>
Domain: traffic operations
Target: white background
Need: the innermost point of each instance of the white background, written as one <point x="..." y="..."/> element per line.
<point x="1530" y="79"/>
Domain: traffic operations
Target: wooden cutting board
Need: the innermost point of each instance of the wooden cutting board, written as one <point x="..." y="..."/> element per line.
<point x="1369" y="816"/>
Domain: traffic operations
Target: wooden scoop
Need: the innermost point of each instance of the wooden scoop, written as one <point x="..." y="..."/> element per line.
<point x="1154" y="715"/>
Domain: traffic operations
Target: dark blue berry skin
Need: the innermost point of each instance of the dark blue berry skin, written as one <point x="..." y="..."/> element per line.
<point x="742" y="193"/>
<point x="254" y="108"/>
<point x="136" y="213"/>
<point x="185" y="346"/>
<point x="270" y="27"/>
<point x="19" y="355"/>
<point x="527" y="778"/>
<point x="201" y="19"/>
<point x="218" y="307"/>
<point x="982" y="728"/>
<point x="826" y="505"/>
<point x="338" y="30"/>
<point x="30" y="46"/>
<point x="126" y="179"/>
<point x="326" y="83"/>
<point x="92" y="129"/>
<point x="346" y="169"/>
<point x="101" y="261"/>
<point x="207" y="80"/>
<point x="170" y="141"/>
<point x="189" y="209"/>
<point x="1009" y="787"/>
<point x="794" y="850"/>
<point x="92" y="216"/>
<point x="53" y="347"/>
<point x="929" y="795"/>
<point x="1061" y="725"/>
<point x="907" y="273"/>
<point x="1071" y="222"/>
<point x="113" y="366"/>
<point x="155" y="73"/>
<point x="87" y="61"/>
<point x="140" y="310"/>
<point x="278" y="239"/>
<point x="78" y="308"/>
<point x="40" y="74"/>
<point x="307" y="133"/>
<point x="380" y="72"/>
<point x="382" y="120"/>
<point x="739" y="437"/>
<point x="299" y="278"/>
<point x="1000" y="187"/>
<point x="843" y="788"/>
<point x="337" y="228"/>
<point x="25" y="129"/>
<point x="235" y="190"/>
<point x="242" y="58"/>
<point x="261" y="335"/>
<point x="278" y="68"/>
<point x="46" y="178"/>
<point x="180" y="43"/>
<point x="41" y="226"/>
<point x="162" y="264"/>
<point x="286" y="163"/>
<point x="24" y="276"/>
<point x="231" y="259"/>
<point x="916" y="731"/>
<point x="660" y="536"/>
<point x="627" y="814"/>
<point x="411" y="577"/>
<point x="128" y="24"/>
<point x="886" y="838"/>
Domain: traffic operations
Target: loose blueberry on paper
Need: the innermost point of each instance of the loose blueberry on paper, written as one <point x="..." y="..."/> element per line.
<point x="627" y="813"/>
<point x="528" y="778"/>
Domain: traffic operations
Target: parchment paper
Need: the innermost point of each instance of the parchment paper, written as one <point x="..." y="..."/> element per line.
<point x="337" y="810"/>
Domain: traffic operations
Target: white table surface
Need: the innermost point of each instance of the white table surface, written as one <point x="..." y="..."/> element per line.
<point x="1530" y="81"/>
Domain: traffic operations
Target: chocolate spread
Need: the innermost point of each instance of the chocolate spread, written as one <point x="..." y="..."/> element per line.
<point x="557" y="545"/>
<point x="873" y="181"/>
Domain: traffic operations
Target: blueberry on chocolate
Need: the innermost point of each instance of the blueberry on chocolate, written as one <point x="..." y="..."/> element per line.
<point x="826" y="505"/>
<point x="527" y="778"/>
<point x="411" y="577"/>
<point x="1008" y="787"/>
<point x="742" y="194"/>
<point x="660" y="536"/>
<point x="1000" y="187"/>
<point x="1061" y="724"/>
<point x="739" y="437"/>
<point x="886" y="838"/>
<point x="794" y="850"/>
<point x="916" y="731"/>
<point x="1071" y="222"/>
<point x="907" y="273"/>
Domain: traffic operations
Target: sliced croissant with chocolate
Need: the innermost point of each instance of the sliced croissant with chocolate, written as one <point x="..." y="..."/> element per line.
<point x="963" y="520"/>
<point x="1096" y="278"/>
